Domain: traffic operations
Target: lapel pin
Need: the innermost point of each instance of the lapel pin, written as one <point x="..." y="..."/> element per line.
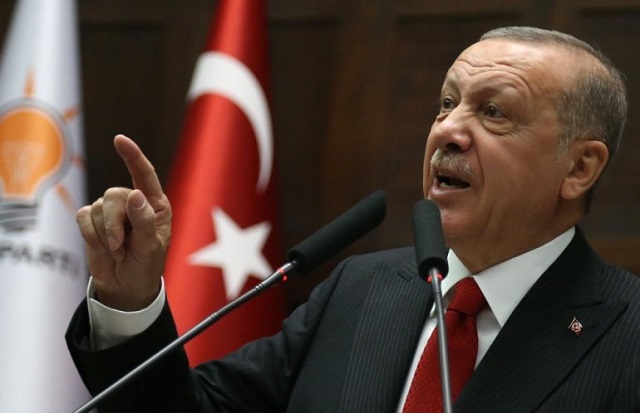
<point x="575" y="326"/>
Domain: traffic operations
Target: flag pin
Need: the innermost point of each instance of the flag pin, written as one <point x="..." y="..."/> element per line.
<point x="575" y="326"/>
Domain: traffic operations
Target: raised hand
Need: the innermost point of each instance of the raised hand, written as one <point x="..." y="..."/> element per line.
<point x="127" y="234"/>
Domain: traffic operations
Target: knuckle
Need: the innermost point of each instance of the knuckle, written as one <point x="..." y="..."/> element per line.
<point x="116" y="192"/>
<point x="83" y="213"/>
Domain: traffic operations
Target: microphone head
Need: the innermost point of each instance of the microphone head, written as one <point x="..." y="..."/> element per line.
<point x="339" y="233"/>
<point x="429" y="240"/>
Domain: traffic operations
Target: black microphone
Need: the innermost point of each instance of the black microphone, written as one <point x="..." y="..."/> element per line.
<point x="339" y="233"/>
<point x="429" y="240"/>
<point x="431" y="255"/>
<point x="303" y="258"/>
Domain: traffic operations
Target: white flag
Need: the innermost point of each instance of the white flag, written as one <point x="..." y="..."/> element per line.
<point x="42" y="172"/>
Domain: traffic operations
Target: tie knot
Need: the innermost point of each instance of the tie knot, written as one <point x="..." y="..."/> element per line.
<point x="467" y="298"/>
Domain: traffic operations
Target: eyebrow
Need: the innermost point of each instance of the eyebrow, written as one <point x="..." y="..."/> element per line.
<point x="449" y="82"/>
<point x="496" y="86"/>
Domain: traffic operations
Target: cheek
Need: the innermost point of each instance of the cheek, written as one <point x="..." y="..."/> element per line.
<point x="520" y="185"/>
<point x="426" y="165"/>
<point x="508" y="175"/>
<point x="425" y="180"/>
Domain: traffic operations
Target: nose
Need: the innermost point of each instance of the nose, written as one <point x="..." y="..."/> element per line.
<point x="451" y="131"/>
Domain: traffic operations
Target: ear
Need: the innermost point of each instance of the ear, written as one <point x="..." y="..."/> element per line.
<point x="588" y="159"/>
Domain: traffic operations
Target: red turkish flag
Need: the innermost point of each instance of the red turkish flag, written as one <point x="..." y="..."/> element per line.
<point x="223" y="189"/>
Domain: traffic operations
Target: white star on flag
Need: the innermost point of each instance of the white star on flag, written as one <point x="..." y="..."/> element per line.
<point x="236" y="251"/>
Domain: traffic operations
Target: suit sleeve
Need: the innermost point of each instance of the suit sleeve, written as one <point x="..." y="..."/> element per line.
<point x="257" y="377"/>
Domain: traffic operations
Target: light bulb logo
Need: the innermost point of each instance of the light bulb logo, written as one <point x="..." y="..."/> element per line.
<point x="33" y="157"/>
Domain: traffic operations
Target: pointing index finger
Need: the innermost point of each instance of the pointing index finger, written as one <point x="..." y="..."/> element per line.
<point x="142" y="172"/>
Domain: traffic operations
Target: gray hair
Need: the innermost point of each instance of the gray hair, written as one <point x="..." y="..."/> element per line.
<point x="595" y="105"/>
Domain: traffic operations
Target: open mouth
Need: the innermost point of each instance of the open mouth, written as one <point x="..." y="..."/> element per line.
<point x="451" y="182"/>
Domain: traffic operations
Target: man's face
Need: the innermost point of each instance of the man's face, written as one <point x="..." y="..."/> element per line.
<point x="491" y="161"/>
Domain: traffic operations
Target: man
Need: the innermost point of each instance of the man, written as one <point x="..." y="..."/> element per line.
<point x="528" y="121"/>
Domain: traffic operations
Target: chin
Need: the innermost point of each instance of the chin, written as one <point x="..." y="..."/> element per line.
<point x="454" y="229"/>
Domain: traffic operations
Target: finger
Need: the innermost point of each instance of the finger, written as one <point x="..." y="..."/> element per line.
<point x="143" y="226"/>
<point x="88" y="230"/>
<point x="97" y="221"/>
<point x="142" y="172"/>
<point x="99" y="258"/>
<point x="114" y="216"/>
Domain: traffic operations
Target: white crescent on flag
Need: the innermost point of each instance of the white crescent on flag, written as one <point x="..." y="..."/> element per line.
<point x="222" y="74"/>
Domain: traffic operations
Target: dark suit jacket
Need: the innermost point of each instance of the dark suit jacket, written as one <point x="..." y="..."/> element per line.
<point x="350" y="347"/>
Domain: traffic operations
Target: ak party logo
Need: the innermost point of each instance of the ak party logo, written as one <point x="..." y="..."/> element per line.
<point x="34" y="156"/>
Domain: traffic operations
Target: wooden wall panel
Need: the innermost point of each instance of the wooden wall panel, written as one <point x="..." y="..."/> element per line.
<point x="616" y="210"/>
<point x="137" y="60"/>
<point x="614" y="222"/>
<point x="304" y="55"/>
<point x="119" y="82"/>
<point x="6" y="7"/>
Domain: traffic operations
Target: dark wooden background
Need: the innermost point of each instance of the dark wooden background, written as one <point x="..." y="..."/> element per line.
<point x="354" y="88"/>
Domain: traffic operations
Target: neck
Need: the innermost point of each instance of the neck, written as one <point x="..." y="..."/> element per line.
<point x="477" y="259"/>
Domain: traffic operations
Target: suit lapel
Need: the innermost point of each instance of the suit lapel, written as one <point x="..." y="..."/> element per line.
<point x="536" y="350"/>
<point x="385" y="340"/>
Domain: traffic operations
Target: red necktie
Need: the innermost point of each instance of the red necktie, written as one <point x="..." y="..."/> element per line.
<point x="425" y="393"/>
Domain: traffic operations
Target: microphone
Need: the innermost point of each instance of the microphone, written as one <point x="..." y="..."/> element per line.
<point x="339" y="233"/>
<point x="427" y="234"/>
<point x="303" y="258"/>
<point x="431" y="255"/>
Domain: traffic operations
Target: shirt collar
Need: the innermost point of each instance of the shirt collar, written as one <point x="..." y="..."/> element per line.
<point x="505" y="284"/>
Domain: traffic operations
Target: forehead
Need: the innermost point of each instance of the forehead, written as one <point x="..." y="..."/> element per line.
<point x="534" y="68"/>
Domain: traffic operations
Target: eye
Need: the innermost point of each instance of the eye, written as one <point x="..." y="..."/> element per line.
<point x="446" y="103"/>
<point x="493" y="112"/>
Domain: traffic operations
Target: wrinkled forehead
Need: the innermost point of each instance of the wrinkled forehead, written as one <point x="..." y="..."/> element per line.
<point x="543" y="68"/>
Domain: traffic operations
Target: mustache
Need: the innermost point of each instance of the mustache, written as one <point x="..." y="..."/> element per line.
<point x="453" y="163"/>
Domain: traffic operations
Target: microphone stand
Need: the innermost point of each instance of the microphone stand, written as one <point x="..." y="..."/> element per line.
<point x="434" y="279"/>
<point x="431" y="255"/>
<point x="277" y="276"/>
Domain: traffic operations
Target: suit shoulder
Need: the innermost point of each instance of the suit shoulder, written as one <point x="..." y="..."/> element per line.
<point x="392" y="257"/>
<point x="618" y="283"/>
<point x="621" y="287"/>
